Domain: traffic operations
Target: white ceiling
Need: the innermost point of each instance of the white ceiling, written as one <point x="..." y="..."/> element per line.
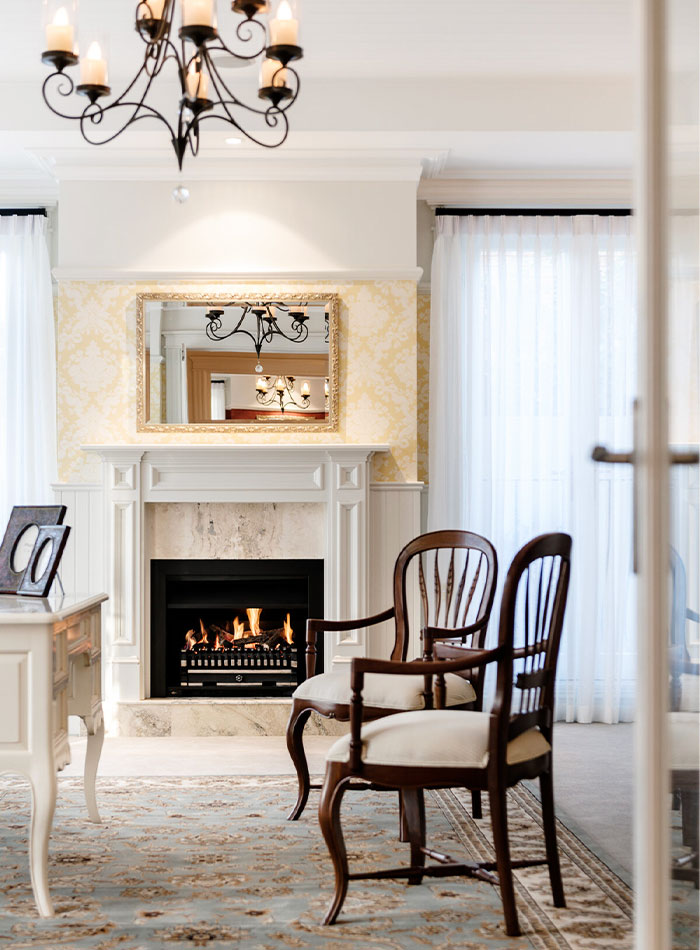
<point x="394" y="37"/>
<point x="474" y="87"/>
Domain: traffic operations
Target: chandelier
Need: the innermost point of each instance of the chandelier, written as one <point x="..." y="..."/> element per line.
<point x="284" y="393"/>
<point x="265" y="325"/>
<point x="195" y="59"/>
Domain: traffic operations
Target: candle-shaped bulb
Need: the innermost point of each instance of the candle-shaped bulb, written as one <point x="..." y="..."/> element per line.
<point x="59" y="33"/>
<point x="305" y="388"/>
<point x="261" y="385"/>
<point x="284" y="11"/>
<point x="325" y="388"/>
<point x="279" y="385"/>
<point x="93" y="68"/>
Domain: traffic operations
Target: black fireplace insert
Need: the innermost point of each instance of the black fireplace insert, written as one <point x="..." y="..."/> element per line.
<point x="232" y="627"/>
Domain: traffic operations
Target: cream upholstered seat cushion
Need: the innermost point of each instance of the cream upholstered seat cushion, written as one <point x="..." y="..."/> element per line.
<point x="684" y="731"/>
<point x="382" y="690"/>
<point x="435" y="738"/>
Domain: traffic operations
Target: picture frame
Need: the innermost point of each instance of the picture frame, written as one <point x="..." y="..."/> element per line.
<point x="21" y="518"/>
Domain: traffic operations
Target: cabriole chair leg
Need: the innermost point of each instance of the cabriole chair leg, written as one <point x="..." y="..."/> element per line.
<point x="295" y="745"/>
<point x="334" y="786"/>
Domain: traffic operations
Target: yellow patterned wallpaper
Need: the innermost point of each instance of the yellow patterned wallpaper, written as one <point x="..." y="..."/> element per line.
<point x="423" y="308"/>
<point x="96" y="354"/>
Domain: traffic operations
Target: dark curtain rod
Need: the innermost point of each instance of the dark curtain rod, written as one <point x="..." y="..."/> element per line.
<point x="531" y="212"/>
<point x="21" y="212"/>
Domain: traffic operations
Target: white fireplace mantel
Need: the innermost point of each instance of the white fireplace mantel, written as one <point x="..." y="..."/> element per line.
<point x="337" y="475"/>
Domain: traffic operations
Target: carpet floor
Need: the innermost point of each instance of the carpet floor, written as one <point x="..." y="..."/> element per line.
<point x="212" y="862"/>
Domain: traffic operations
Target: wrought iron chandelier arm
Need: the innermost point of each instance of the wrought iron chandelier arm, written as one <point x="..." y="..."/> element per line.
<point x="219" y="45"/>
<point x="284" y="131"/>
<point x="140" y="111"/>
<point x="300" y="331"/>
<point x="64" y="86"/>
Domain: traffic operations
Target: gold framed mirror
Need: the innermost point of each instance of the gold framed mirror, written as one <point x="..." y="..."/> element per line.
<point x="228" y="363"/>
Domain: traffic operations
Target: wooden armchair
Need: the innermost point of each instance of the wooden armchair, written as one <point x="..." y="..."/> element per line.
<point x="444" y="748"/>
<point x="456" y="608"/>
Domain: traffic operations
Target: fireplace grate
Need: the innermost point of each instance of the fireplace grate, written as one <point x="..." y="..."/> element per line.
<point x="238" y="666"/>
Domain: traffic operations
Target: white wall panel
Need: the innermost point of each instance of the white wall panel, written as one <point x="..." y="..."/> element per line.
<point x="394" y="521"/>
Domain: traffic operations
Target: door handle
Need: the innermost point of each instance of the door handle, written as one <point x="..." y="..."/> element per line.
<point x="684" y="458"/>
<point x="602" y="454"/>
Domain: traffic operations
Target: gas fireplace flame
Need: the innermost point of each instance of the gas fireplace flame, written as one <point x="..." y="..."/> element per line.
<point x="254" y="620"/>
<point x="205" y="634"/>
<point x="235" y="634"/>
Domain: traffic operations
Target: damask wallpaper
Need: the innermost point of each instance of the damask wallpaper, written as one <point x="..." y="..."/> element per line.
<point x="96" y="362"/>
<point x="423" y="309"/>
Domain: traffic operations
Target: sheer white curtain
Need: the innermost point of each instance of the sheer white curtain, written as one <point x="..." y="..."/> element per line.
<point x="532" y="362"/>
<point x="27" y="365"/>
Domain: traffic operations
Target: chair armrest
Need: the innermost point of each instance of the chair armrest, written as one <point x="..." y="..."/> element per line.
<point x="362" y="665"/>
<point x="314" y="626"/>
<point x="448" y="633"/>
<point x="692" y="615"/>
<point x="471" y="659"/>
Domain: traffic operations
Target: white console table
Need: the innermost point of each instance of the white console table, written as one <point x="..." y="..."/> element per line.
<point x="49" y="669"/>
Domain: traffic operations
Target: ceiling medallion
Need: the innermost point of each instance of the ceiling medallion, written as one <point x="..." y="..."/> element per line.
<point x="196" y="59"/>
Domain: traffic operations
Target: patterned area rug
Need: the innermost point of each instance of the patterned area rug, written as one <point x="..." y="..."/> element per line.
<point x="212" y="862"/>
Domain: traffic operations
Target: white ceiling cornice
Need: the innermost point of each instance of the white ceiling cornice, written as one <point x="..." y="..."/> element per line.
<point x="158" y="164"/>
<point x="94" y="274"/>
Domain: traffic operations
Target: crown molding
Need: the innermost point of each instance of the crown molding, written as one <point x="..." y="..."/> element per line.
<point x="238" y="164"/>
<point x="524" y="192"/>
<point x="351" y="275"/>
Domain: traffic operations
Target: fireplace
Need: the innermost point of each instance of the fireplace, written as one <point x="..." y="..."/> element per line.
<point x="232" y="627"/>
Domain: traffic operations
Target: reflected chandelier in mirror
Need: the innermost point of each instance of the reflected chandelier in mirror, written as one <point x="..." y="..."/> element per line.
<point x="220" y="364"/>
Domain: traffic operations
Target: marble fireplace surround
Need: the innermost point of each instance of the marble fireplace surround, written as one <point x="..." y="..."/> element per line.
<point x="136" y="477"/>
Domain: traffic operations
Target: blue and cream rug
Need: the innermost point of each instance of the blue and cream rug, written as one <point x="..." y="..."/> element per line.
<point x="212" y="862"/>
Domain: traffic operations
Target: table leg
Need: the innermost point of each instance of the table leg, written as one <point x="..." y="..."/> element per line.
<point x="95" y="737"/>
<point x="43" y="782"/>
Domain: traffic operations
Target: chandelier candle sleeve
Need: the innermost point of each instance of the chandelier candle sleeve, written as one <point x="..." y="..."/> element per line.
<point x="93" y="67"/>
<point x="197" y="82"/>
<point x="154" y="9"/>
<point x="280" y="385"/>
<point x="60" y="34"/>
<point x="198" y="12"/>
<point x="305" y="388"/>
<point x="271" y="74"/>
<point x="284" y="27"/>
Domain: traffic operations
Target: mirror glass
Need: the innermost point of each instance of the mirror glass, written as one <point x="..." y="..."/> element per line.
<point x="223" y="363"/>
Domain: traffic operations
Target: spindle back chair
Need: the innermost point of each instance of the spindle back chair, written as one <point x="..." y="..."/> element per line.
<point x="456" y="572"/>
<point x="443" y="748"/>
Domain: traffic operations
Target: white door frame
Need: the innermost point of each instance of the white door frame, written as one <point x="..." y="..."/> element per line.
<point x="651" y="824"/>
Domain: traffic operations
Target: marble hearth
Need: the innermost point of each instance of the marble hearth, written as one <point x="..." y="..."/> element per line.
<point x="229" y="501"/>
